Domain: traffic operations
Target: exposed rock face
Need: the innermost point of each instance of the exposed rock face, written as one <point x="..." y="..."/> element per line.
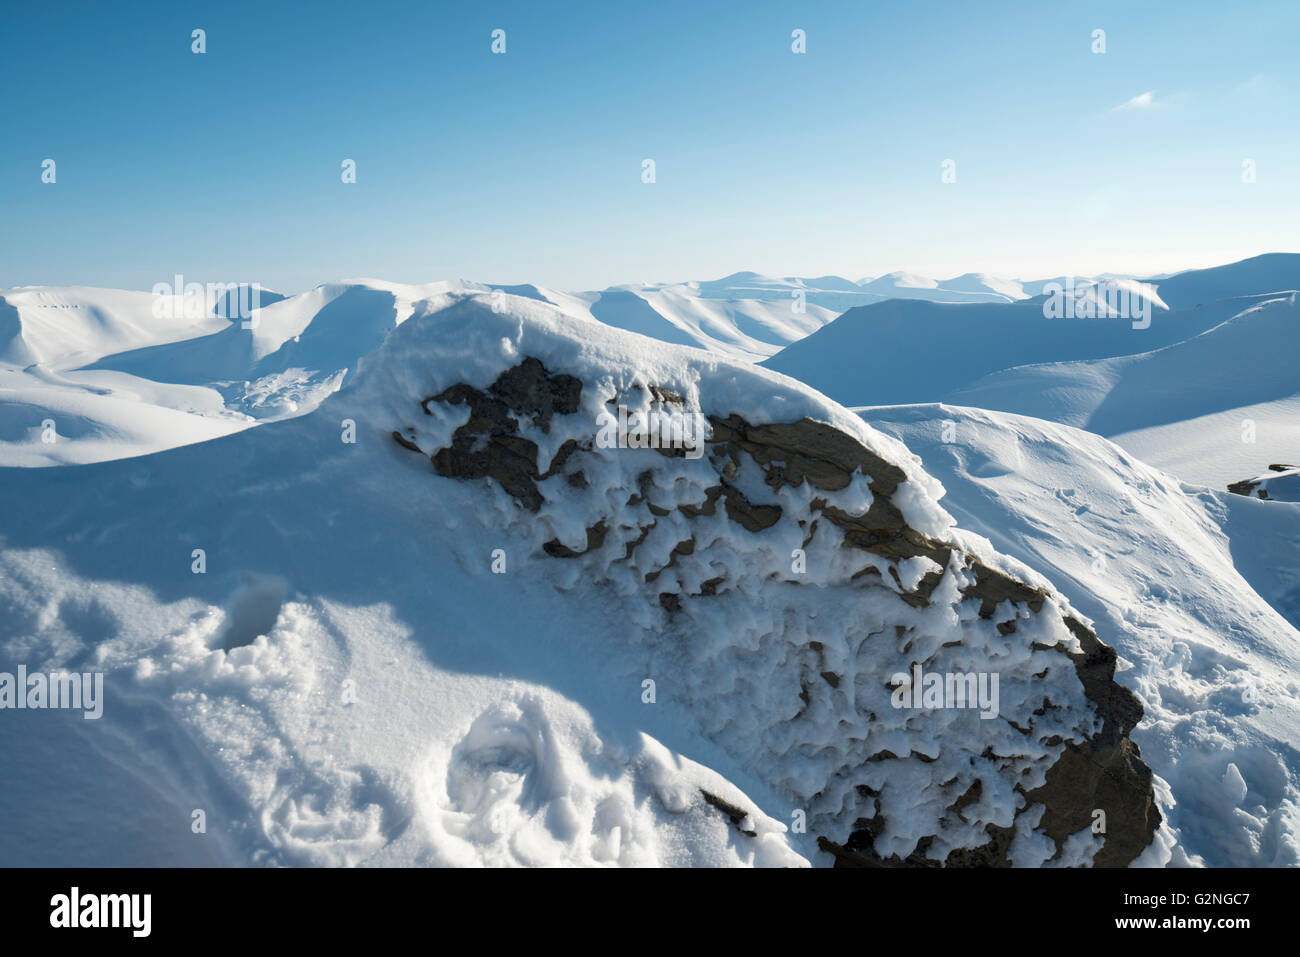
<point x="1245" y="487"/>
<point x="489" y="444"/>
<point x="1054" y="757"/>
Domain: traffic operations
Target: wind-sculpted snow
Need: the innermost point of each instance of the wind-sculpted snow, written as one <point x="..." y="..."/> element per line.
<point x="780" y="588"/>
<point x="444" y="618"/>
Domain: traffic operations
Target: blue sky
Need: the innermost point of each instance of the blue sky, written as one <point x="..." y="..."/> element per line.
<point x="526" y="167"/>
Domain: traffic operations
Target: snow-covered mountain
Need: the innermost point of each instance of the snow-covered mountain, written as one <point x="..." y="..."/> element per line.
<point x="113" y="375"/>
<point x="912" y="351"/>
<point x="1259" y="275"/>
<point x="750" y="315"/>
<point x="125" y="378"/>
<point x="1197" y="408"/>
<point x="746" y="316"/>
<point x="970" y="287"/>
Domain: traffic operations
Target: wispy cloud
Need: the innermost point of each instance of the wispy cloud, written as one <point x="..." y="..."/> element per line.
<point x="1143" y="101"/>
<point x="1258" y="83"/>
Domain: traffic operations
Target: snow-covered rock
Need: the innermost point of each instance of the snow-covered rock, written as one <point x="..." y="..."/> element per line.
<point x="785" y="579"/>
<point x="1280" y="483"/>
<point x="437" y="621"/>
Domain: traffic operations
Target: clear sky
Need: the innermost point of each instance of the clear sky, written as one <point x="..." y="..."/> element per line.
<point x="526" y="167"/>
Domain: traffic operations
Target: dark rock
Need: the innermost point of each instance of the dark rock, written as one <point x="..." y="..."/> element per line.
<point x="488" y="445"/>
<point x="734" y="814"/>
<point x="595" y="539"/>
<point x="1245" y="487"/>
<point x="405" y="442"/>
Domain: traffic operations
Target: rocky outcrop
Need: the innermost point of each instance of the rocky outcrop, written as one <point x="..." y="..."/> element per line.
<point x="1259" y="485"/>
<point x="489" y="444"/>
<point x="1062" y="753"/>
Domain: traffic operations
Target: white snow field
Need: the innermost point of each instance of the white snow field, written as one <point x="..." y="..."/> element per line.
<point x="122" y="381"/>
<point x="751" y="316"/>
<point x="348" y="682"/>
<point x="971" y="287"/>
<point x="1199" y="591"/>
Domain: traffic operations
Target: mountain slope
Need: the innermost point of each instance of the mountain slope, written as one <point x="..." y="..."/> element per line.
<point x="970" y="287"/>
<point x="912" y="351"/>
<point x="957" y="347"/>
<point x="1257" y="276"/>
<point x="1200" y="408"/>
<point x="66" y="327"/>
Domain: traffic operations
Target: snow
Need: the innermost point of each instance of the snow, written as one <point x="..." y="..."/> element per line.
<point x="969" y="287"/>
<point x="735" y="673"/>
<point x="124" y="378"/>
<point x="439" y="758"/>
<point x="1280" y="484"/>
<point x="1212" y="408"/>
<point x="1270" y="273"/>
<point x="110" y="372"/>
<point x="1208" y="391"/>
<point x="738" y="323"/>
<point x="348" y="681"/>
<point x="749" y="315"/>
<point x="912" y="351"/>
